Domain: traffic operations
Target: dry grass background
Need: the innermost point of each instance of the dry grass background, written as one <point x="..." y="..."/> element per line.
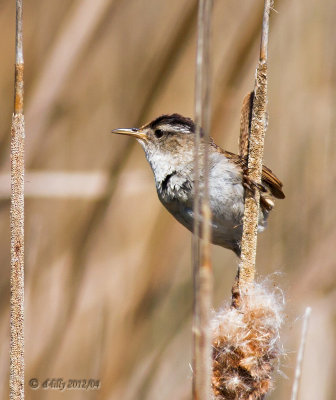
<point x="108" y="276"/>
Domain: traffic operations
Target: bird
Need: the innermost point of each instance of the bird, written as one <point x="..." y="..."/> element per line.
<point x="168" y="143"/>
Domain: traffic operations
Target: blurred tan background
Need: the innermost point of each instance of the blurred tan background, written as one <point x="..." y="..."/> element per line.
<point x="108" y="282"/>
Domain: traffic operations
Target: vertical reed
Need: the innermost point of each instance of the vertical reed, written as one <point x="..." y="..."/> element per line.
<point x="299" y="360"/>
<point x="16" y="380"/>
<point x="246" y="344"/>
<point x="255" y="156"/>
<point x="202" y="269"/>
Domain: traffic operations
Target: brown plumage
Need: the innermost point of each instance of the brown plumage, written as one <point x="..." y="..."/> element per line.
<point x="269" y="180"/>
<point x="168" y="143"/>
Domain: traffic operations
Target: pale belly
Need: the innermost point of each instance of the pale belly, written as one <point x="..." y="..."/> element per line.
<point x="226" y="221"/>
<point x="226" y="198"/>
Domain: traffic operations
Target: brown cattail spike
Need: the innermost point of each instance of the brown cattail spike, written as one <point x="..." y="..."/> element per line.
<point x="246" y="345"/>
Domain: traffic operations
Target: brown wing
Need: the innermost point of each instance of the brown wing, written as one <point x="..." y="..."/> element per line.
<point x="274" y="184"/>
<point x="268" y="179"/>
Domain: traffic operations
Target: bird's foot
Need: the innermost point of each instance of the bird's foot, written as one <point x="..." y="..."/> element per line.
<point x="252" y="185"/>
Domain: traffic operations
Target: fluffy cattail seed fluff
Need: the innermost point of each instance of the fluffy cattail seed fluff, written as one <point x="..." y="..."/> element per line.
<point x="246" y="345"/>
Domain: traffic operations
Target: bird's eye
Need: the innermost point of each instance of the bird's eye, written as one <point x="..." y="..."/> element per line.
<point x="158" y="133"/>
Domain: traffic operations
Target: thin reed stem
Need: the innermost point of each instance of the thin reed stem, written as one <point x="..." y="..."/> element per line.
<point x="16" y="379"/>
<point x="256" y="148"/>
<point x="299" y="360"/>
<point x="202" y="269"/>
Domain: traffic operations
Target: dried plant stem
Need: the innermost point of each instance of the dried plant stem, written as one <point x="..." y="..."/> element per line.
<point x="298" y="369"/>
<point x="202" y="269"/>
<point x="256" y="149"/>
<point x="16" y="380"/>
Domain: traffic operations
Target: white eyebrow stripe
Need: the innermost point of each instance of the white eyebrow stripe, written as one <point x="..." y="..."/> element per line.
<point x="177" y="127"/>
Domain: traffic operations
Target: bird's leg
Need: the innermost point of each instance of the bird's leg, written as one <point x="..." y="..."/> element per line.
<point x="252" y="185"/>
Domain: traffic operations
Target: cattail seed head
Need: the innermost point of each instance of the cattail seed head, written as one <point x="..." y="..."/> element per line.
<point x="246" y="345"/>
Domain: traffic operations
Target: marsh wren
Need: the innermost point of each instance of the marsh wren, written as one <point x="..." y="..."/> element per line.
<point x="168" y="142"/>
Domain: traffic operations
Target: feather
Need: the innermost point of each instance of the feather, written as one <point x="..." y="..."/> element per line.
<point x="271" y="186"/>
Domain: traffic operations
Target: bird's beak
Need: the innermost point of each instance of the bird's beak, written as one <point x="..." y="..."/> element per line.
<point x="134" y="132"/>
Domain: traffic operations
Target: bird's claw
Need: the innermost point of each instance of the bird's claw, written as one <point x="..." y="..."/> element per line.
<point x="253" y="186"/>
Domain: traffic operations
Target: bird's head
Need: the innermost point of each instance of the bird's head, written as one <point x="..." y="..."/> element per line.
<point x="167" y="134"/>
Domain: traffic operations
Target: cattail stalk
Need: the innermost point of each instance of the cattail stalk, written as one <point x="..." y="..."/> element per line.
<point x="246" y="334"/>
<point x="202" y="269"/>
<point x="256" y="148"/>
<point x="16" y="380"/>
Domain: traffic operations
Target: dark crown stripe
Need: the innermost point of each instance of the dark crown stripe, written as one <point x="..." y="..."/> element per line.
<point x="173" y="119"/>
